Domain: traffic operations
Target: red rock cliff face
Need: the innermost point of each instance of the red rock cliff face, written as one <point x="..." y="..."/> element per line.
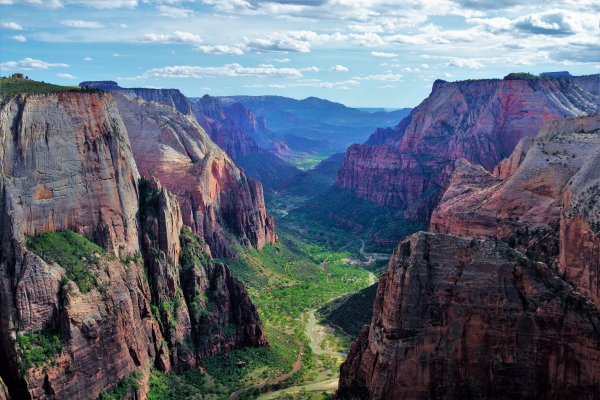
<point x="546" y="206"/>
<point x="481" y="121"/>
<point x="464" y="318"/>
<point x="67" y="163"/>
<point x="225" y="132"/>
<point x="214" y="195"/>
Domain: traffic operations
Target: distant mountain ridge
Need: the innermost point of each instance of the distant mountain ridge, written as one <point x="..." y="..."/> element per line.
<point x="322" y="124"/>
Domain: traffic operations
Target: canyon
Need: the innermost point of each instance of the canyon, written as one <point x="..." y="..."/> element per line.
<point x="149" y="295"/>
<point x="139" y="258"/>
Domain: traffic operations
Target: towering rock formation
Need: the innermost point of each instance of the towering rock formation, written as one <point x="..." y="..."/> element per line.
<point x="482" y="121"/>
<point x="75" y="318"/>
<point x="547" y="206"/>
<point x="465" y="318"/>
<point x="214" y="195"/>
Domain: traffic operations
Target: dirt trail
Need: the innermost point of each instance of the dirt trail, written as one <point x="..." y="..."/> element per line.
<point x="273" y="382"/>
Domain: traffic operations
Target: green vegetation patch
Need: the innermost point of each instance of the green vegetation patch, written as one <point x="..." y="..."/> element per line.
<point x="38" y="347"/>
<point x="124" y="389"/>
<point x="76" y="254"/>
<point x="11" y="86"/>
<point x="520" y="76"/>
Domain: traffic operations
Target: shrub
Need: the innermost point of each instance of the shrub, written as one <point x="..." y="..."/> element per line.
<point x="73" y="252"/>
<point x="38" y="347"/>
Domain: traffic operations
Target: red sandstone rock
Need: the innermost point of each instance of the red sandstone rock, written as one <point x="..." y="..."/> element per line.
<point x="463" y="318"/>
<point x="482" y="121"/>
<point x="214" y="195"/>
<point x="556" y="185"/>
<point x="66" y="163"/>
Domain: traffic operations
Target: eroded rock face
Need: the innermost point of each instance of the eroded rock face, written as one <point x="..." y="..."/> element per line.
<point x="465" y="318"/>
<point x="481" y="121"/>
<point x="66" y="163"/>
<point x="214" y="195"/>
<point x="546" y="207"/>
<point x="223" y="130"/>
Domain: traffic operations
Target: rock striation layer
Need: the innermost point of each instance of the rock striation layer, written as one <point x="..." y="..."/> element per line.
<point x="465" y="318"/>
<point x="217" y="200"/>
<point x="482" y="121"/>
<point x="236" y="130"/>
<point x="546" y="206"/>
<point x="67" y="163"/>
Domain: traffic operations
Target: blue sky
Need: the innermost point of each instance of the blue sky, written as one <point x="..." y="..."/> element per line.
<point x="377" y="53"/>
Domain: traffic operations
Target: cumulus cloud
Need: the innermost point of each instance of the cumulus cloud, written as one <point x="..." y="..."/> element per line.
<point x="221" y="49"/>
<point x="280" y="60"/>
<point x="175" y="37"/>
<point x="88" y="59"/>
<point x="31" y="63"/>
<point x="383" y="54"/>
<point x="555" y="22"/>
<point x="66" y="76"/>
<point x="340" y="68"/>
<point x="228" y="70"/>
<point x="78" y="23"/>
<point x="465" y="63"/>
<point x="11" y="25"/>
<point x="19" y="38"/>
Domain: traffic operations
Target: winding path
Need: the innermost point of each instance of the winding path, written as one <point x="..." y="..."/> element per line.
<point x="273" y="382"/>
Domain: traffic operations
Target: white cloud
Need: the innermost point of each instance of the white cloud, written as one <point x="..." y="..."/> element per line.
<point x="221" y="49"/>
<point x="19" y="38"/>
<point x="120" y="55"/>
<point x="465" y="63"/>
<point x="557" y="22"/>
<point x="175" y="37"/>
<point x="174" y="12"/>
<point x="31" y="63"/>
<point x="228" y="70"/>
<point x="383" y="54"/>
<point x="66" y="76"/>
<point x="280" y="60"/>
<point x="11" y="25"/>
<point x="88" y="59"/>
<point x="309" y="69"/>
<point x="389" y="77"/>
<point x="340" y="68"/>
<point x="77" y="23"/>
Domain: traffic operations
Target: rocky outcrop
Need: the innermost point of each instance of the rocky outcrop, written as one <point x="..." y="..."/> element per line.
<point x="66" y="164"/>
<point x="169" y="97"/>
<point x="3" y="391"/>
<point x="202" y="309"/>
<point x="225" y="132"/>
<point x="482" y="121"/>
<point x="465" y="318"/>
<point x="546" y="207"/>
<point x="75" y="318"/>
<point x="215" y="197"/>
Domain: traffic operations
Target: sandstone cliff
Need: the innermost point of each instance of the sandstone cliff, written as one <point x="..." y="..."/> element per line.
<point x="216" y="198"/>
<point x="236" y="130"/>
<point x="465" y="318"/>
<point x="76" y="318"/>
<point x="482" y="121"/>
<point x="546" y="206"/>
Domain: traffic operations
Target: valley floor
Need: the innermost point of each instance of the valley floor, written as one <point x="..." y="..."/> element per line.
<point x="288" y="282"/>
